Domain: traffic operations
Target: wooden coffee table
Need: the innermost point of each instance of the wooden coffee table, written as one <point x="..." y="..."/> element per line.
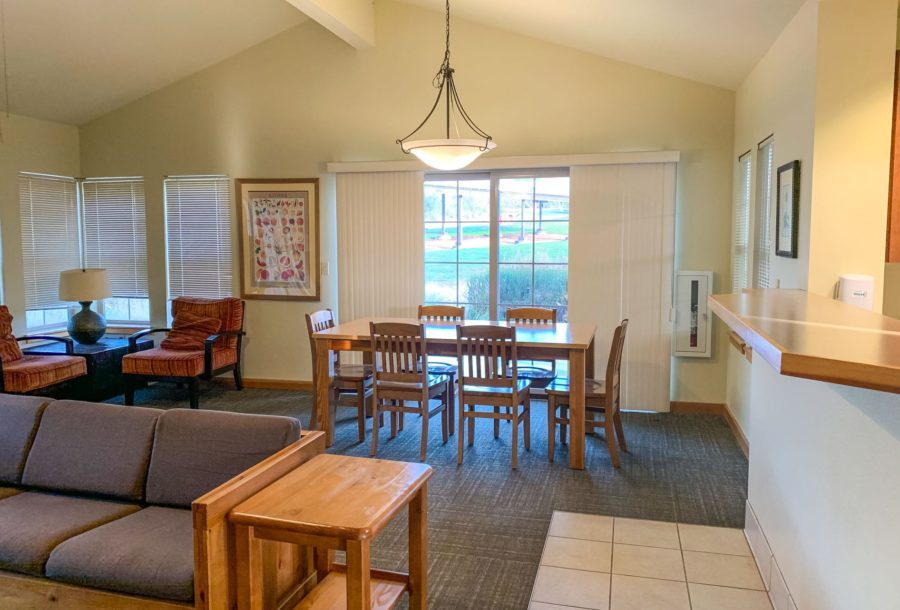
<point x="336" y="502"/>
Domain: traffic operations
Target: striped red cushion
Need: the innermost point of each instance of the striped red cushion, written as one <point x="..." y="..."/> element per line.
<point x="189" y="331"/>
<point x="9" y="347"/>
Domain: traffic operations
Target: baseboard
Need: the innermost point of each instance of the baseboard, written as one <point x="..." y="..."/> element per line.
<point x="713" y="408"/>
<point x="769" y="570"/>
<point x="278" y="384"/>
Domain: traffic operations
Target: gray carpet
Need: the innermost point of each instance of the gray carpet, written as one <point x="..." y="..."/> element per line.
<point x="487" y="523"/>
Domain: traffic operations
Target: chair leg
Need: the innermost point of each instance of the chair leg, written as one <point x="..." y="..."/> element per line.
<point x="462" y="434"/>
<point x="563" y="427"/>
<point x="376" y="416"/>
<point x="620" y="432"/>
<point x="393" y="423"/>
<point x="238" y="380"/>
<point x="451" y="402"/>
<point x="129" y="391"/>
<point x="400" y="419"/>
<point x="515" y="439"/>
<point x="424" y="442"/>
<point x="194" y="390"/>
<point x="551" y="427"/>
<point x="445" y="416"/>
<point x="361" y="410"/>
<point x="497" y="423"/>
<point x="527" y="416"/>
<point x="611" y="441"/>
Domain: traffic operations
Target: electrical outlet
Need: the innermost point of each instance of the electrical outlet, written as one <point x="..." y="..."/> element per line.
<point x="325" y="268"/>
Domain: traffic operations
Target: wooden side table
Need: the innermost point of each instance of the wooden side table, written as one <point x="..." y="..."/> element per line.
<point x="335" y="502"/>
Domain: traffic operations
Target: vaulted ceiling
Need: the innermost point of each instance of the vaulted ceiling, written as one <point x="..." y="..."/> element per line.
<point x="74" y="60"/>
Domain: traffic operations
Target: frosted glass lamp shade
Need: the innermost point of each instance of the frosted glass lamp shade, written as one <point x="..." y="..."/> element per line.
<point x="449" y="154"/>
<point x="84" y="285"/>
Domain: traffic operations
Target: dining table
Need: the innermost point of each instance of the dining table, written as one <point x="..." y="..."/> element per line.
<point x="573" y="342"/>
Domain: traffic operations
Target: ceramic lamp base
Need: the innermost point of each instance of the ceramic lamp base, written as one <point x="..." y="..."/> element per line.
<point x="87" y="326"/>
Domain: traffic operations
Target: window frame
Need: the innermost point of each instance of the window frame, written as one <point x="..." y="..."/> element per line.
<point x="494" y="262"/>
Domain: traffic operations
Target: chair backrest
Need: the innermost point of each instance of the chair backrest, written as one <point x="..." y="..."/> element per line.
<point x="229" y="310"/>
<point x="318" y="321"/>
<point x="531" y="315"/>
<point x="614" y="365"/>
<point x="438" y="313"/>
<point x="399" y="352"/>
<point x="486" y="356"/>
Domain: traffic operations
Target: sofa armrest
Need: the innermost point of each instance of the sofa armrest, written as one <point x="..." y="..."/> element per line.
<point x="132" y="339"/>
<point x="70" y="344"/>
<point x="214" y="557"/>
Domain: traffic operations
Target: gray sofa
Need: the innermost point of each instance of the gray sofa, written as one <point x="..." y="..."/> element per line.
<point x="99" y="496"/>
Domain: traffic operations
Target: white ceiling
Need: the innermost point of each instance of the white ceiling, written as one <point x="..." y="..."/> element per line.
<point x="74" y="60"/>
<point x="712" y="41"/>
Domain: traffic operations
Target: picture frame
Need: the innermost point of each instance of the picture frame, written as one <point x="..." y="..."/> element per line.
<point x="278" y="224"/>
<point x="693" y="331"/>
<point x="787" y="223"/>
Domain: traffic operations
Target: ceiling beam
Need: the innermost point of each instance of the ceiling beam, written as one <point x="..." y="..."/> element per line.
<point x="353" y="21"/>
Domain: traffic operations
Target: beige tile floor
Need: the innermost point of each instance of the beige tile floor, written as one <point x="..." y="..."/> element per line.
<point x="606" y="563"/>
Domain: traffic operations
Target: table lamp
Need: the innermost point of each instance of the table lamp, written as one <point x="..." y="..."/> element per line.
<point x="85" y="286"/>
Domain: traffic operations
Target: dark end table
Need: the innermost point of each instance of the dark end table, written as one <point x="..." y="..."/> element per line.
<point x="104" y="379"/>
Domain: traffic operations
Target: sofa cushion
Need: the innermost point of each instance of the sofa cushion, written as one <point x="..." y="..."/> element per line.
<point x="230" y="311"/>
<point x="6" y="492"/>
<point x="149" y="552"/>
<point x="9" y="347"/>
<point x="190" y="331"/>
<point x="31" y="372"/>
<point x="19" y="418"/>
<point x="33" y="524"/>
<point x="160" y="362"/>
<point x="92" y="448"/>
<point x="196" y="451"/>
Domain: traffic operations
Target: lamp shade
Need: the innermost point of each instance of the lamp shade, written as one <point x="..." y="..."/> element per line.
<point x="449" y="154"/>
<point x="84" y="285"/>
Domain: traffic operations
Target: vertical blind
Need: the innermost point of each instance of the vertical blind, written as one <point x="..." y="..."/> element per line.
<point x="740" y="238"/>
<point x="198" y="236"/>
<point x="115" y="232"/>
<point x="762" y="218"/>
<point x="50" y="236"/>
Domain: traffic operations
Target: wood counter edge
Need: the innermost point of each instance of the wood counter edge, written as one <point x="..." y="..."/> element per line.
<point x="843" y="372"/>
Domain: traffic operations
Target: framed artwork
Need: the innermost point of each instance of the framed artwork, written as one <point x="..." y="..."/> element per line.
<point x="278" y="220"/>
<point x="692" y="327"/>
<point x="788" y="222"/>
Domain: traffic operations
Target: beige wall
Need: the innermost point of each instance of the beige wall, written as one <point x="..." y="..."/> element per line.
<point x="778" y="97"/>
<point x="28" y="145"/>
<point x="283" y="108"/>
<point x="854" y="102"/>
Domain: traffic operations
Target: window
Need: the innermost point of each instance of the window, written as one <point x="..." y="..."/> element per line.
<point x="740" y="239"/>
<point x="51" y="243"/>
<point x="115" y="239"/>
<point x="495" y="241"/>
<point x="763" y="214"/>
<point x="198" y="236"/>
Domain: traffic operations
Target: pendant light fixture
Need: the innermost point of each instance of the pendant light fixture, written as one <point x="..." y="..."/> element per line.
<point x="448" y="153"/>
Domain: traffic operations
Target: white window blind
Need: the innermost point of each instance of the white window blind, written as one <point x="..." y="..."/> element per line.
<point x="740" y="238"/>
<point x="198" y="236"/>
<point x="115" y="232"/>
<point x="50" y="236"/>
<point x="762" y="217"/>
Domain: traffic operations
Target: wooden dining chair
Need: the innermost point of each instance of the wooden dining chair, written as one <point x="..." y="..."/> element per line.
<point x="601" y="400"/>
<point x="539" y="372"/>
<point x="401" y="376"/>
<point x="351" y="385"/>
<point x="488" y="377"/>
<point x="443" y="365"/>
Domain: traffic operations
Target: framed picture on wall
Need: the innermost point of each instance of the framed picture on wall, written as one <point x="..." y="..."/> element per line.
<point x="787" y="217"/>
<point x="278" y="220"/>
<point x="692" y="328"/>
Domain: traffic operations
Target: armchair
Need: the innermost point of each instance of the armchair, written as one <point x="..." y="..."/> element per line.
<point x="221" y="351"/>
<point x="21" y="373"/>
